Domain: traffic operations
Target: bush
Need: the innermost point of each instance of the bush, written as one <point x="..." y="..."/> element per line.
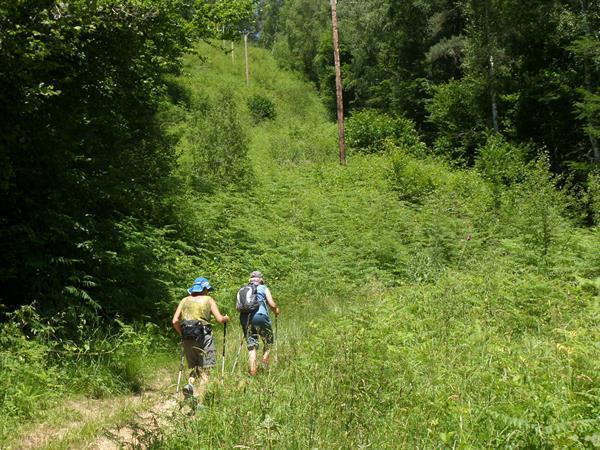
<point x="27" y="382"/>
<point x="261" y="108"/>
<point x="410" y="178"/>
<point x="593" y="194"/>
<point x="368" y="130"/>
<point x="456" y="112"/>
<point x="536" y="209"/>
<point x="500" y="162"/>
<point x="216" y="147"/>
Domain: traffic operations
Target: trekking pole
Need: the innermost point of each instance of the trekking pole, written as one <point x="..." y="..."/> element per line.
<point x="180" y="371"/>
<point x="223" y="358"/>
<point x="276" y="337"/>
<point x="238" y="355"/>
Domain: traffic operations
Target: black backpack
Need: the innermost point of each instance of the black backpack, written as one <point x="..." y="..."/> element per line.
<point x="247" y="302"/>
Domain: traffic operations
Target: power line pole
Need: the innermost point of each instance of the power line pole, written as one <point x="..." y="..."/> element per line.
<point x="338" y="83"/>
<point x="246" y="56"/>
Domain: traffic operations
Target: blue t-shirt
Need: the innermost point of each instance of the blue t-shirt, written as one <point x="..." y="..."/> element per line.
<point x="261" y="296"/>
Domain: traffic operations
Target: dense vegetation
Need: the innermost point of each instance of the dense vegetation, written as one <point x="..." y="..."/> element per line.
<point x="528" y="70"/>
<point x="424" y="305"/>
<point x="427" y="302"/>
<point x="89" y="189"/>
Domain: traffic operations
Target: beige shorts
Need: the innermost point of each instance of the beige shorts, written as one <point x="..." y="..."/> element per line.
<point x="200" y="355"/>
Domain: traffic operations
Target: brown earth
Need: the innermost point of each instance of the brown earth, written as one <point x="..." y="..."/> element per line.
<point x="107" y="424"/>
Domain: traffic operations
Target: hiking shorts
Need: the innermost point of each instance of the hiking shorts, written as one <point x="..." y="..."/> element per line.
<point x="260" y="325"/>
<point x="200" y="355"/>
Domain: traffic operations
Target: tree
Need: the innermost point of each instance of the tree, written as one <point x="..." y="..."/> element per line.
<point x="85" y="165"/>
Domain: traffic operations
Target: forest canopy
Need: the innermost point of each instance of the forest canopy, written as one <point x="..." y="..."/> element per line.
<point x="528" y="70"/>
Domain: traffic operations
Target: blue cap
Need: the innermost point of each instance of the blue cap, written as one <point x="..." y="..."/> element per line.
<point x="200" y="284"/>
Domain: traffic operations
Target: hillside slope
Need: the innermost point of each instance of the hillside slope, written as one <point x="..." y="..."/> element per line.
<point x="421" y="307"/>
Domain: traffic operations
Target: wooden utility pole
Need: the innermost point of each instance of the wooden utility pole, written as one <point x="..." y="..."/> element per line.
<point x="246" y="56"/>
<point x="232" y="54"/>
<point x="338" y="83"/>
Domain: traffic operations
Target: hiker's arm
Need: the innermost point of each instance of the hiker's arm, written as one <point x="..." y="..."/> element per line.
<point x="215" y="311"/>
<point x="271" y="302"/>
<point x="176" y="324"/>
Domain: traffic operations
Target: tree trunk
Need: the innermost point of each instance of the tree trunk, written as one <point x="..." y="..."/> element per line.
<point x="589" y="87"/>
<point x="338" y="83"/>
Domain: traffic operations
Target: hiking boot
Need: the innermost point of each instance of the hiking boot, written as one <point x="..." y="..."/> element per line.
<point x="188" y="390"/>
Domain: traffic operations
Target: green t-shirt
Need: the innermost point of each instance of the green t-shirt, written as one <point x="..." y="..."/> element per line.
<point x="195" y="308"/>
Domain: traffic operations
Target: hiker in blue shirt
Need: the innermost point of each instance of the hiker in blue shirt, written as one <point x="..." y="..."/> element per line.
<point x="258" y="323"/>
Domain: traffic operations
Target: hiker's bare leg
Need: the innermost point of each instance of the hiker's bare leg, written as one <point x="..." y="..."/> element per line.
<point x="266" y="354"/>
<point x="252" y="360"/>
<point x="203" y="381"/>
<point x="194" y="374"/>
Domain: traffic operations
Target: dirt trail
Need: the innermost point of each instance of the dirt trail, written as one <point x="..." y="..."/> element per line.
<point x="135" y="433"/>
<point x="107" y="424"/>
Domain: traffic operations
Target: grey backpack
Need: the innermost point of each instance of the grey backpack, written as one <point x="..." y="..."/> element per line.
<point x="247" y="301"/>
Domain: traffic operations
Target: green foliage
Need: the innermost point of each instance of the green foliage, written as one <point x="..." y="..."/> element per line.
<point x="27" y="380"/>
<point x="454" y="316"/>
<point x="222" y="19"/>
<point x="412" y="179"/>
<point x="300" y="26"/>
<point x="593" y="195"/>
<point x="455" y="112"/>
<point x="539" y="209"/>
<point x="219" y="148"/>
<point x="45" y="360"/>
<point x="454" y="320"/>
<point x="500" y="162"/>
<point x="261" y="108"/>
<point x="368" y="130"/>
<point x="82" y="144"/>
<point x="458" y="69"/>
<point x="84" y="150"/>
<point x="299" y="142"/>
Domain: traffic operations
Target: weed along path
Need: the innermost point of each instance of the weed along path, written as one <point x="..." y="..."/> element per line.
<point x="107" y="423"/>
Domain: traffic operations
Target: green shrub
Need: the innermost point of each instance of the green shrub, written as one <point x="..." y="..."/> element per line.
<point x="593" y="194"/>
<point x="28" y="383"/>
<point x="215" y="147"/>
<point x="368" y="130"/>
<point x="410" y="178"/>
<point x="457" y="113"/>
<point x="500" y="162"/>
<point x="535" y="209"/>
<point x="261" y="108"/>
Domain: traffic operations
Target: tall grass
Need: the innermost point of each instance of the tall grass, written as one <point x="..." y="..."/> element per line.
<point x="42" y="368"/>
<point x="424" y="306"/>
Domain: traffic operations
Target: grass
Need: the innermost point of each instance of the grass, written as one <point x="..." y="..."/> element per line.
<point x="422" y="308"/>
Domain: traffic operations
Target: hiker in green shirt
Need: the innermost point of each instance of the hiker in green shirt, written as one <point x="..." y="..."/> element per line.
<point x="192" y="322"/>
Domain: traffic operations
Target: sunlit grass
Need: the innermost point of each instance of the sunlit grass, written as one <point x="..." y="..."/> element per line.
<point x="414" y="314"/>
